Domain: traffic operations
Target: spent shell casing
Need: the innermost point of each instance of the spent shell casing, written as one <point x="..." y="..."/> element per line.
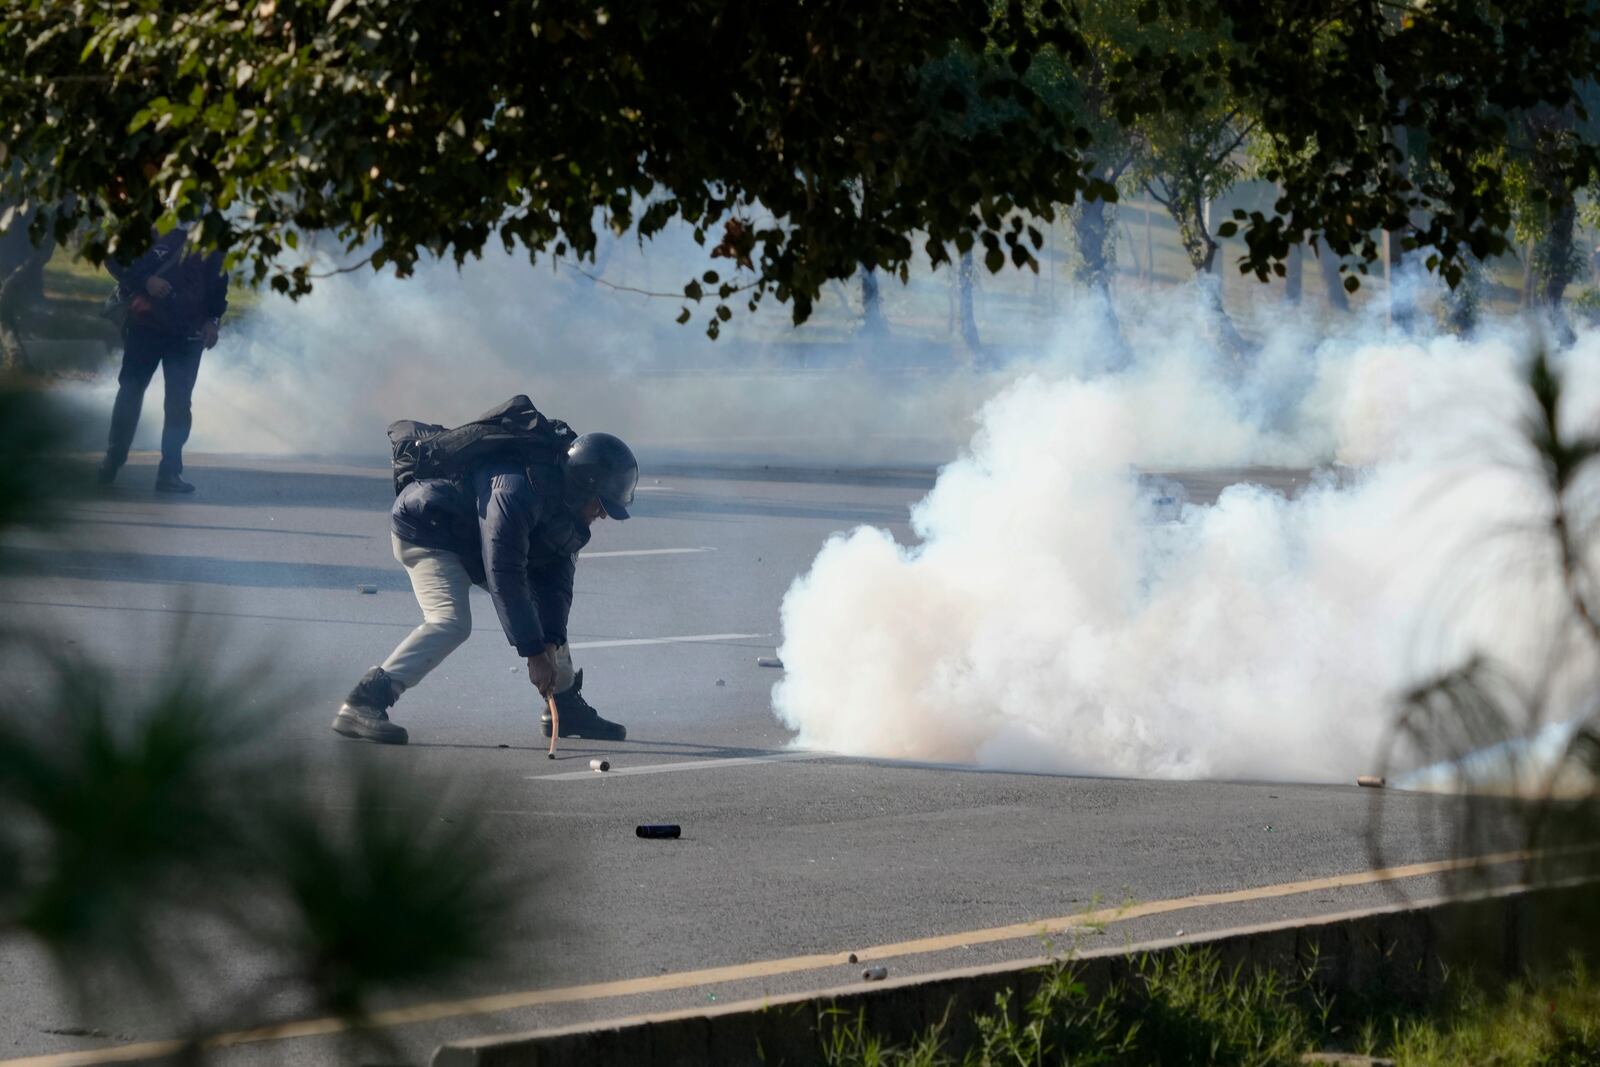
<point x="366" y="589"/>
<point x="599" y="765"/>
<point x="769" y="661"/>
<point x="658" y="830"/>
<point x="874" y="974"/>
<point x="1371" y="781"/>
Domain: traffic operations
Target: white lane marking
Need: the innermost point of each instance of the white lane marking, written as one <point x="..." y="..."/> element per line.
<point x="682" y="765"/>
<point x="647" y="552"/>
<point x="686" y="639"/>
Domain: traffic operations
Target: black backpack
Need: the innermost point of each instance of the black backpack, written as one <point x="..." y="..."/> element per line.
<point x="515" y="431"/>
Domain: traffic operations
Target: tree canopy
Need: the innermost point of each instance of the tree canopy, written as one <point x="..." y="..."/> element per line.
<point x="801" y="139"/>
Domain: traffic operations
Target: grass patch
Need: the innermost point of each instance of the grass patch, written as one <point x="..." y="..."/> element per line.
<point x="1554" y="1023"/>
<point x="1185" y="1009"/>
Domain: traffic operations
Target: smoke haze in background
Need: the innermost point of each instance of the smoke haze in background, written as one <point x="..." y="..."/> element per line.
<point x="328" y="373"/>
<point x="1050" y="618"/>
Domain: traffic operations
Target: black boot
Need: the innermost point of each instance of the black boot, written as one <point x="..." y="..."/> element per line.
<point x="578" y="719"/>
<point x="365" y="713"/>
<point x="171" y="483"/>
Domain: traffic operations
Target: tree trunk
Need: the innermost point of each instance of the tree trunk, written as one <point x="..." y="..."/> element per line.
<point x="1149" y="245"/>
<point x="873" y="324"/>
<point x="1189" y="211"/>
<point x="1462" y="303"/>
<point x="1551" y="261"/>
<point x="17" y="250"/>
<point x="1527" y="273"/>
<point x="1095" y="235"/>
<point x="1555" y="254"/>
<point x="1294" y="271"/>
<point x="1402" y="309"/>
<point x="1332" y="280"/>
<point x="1092" y="231"/>
<point x="13" y="351"/>
<point x="1227" y="334"/>
<point x="969" y="321"/>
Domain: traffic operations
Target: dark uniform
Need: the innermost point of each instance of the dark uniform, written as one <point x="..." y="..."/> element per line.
<point x="171" y="332"/>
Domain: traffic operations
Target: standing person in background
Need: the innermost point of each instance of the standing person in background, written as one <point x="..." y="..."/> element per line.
<point x="176" y="298"/>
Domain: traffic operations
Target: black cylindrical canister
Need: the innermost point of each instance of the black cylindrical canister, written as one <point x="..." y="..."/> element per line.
<point x="658" y="830"/>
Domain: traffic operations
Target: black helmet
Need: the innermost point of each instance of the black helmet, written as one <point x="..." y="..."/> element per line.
<point x="599" y="464"/>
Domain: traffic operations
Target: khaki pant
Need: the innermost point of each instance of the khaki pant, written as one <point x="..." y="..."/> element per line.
<point x="439" y="580"/>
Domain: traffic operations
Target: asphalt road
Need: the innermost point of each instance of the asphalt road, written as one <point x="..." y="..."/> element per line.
<point x="780" y="858"/>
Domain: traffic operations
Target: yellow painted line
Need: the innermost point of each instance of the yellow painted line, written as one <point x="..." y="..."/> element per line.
<point x="533" y="998"/>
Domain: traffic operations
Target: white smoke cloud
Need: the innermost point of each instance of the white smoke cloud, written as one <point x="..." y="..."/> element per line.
<point x="1044" y="622"/>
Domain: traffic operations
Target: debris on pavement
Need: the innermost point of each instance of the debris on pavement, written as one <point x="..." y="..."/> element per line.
<point x="853" y="958"/>
<point x="599" y="765"/>
<point x="658" y="830"/>
<point x="1371" y="781"/>
<point x="366" y="589"/>
<point x="769" y="661"/>
<point x="874" y="974"/>
<point x="721" y="682"/>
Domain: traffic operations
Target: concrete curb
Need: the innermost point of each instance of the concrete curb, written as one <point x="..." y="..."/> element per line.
<point x="1395" y="952"/>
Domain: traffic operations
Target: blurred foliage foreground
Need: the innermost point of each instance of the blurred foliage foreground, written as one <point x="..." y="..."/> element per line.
<point x="153" y="833"/>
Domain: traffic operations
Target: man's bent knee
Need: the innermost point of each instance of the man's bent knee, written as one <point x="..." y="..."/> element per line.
<point x="453" y="630"/>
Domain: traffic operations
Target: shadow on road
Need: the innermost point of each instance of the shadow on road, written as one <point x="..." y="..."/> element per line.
<point x="204" y="570"/>
<point x="569" y="750"/>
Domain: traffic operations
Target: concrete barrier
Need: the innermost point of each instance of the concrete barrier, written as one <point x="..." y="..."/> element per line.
<point x="1397" y="954"/>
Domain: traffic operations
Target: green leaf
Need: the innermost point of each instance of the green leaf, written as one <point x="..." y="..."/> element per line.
<point x="994" y="259"/>
<point x="683" y="317"/>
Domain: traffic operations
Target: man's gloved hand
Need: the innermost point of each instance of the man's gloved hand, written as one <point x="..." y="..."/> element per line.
<point x="157" y="287"/>
<point x="542" y="670"/>
<point x="208" y="336"/>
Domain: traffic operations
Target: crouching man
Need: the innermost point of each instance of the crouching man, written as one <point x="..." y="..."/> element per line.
<point x="516" y="531"/>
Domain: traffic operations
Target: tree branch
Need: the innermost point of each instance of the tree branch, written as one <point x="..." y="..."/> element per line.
<point x="1244" y="132"/>
<point x="1150" y="188"/>
<point x="351" y="269"/>
<point x="651" y="293"/>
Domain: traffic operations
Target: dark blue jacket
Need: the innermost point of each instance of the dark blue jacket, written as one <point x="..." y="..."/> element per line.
<point x="199" y="288"/>
<point x="514" y="534"/>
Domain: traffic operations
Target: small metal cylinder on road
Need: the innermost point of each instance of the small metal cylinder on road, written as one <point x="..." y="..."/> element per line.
<point x="658" y="830"/>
